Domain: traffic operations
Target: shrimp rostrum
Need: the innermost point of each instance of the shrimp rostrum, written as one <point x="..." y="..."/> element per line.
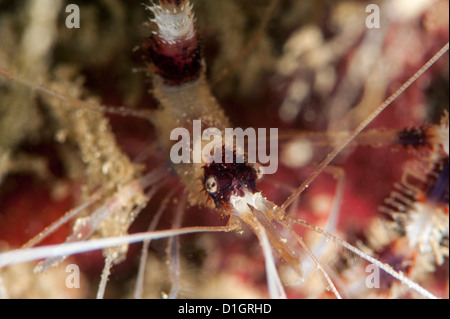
<point x="217" y="170"/>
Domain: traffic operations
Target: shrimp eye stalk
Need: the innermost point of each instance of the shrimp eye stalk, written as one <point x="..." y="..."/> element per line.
<point x="259" y="171"/>
<point x="211" y="185"/>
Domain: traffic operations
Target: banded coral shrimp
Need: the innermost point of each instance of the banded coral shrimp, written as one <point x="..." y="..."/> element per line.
<point x="256" y="115"/>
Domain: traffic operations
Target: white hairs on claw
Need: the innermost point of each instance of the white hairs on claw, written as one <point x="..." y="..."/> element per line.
<point x="174" y="25"/>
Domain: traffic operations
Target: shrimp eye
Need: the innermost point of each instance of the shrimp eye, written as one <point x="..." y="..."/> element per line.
<point x="259" y="170"/>
<point x="211" y="185"/>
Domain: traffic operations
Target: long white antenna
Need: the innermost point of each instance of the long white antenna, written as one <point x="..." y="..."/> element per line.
<point x="331" y="156"/>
